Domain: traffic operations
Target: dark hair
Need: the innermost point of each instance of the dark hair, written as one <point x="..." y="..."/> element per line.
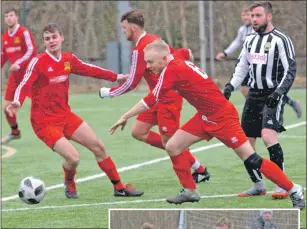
<point x="266" y="5"/>
<point x="52" y="28"/>
<point x="12" y="9"/>
<point x="135" y="17"/>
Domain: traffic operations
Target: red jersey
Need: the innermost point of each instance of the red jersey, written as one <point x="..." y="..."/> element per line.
<point x="18" y="47"/>
<point x="138" y="70"/>
<point x="191" y="83"/>
<point x="48" y="79"/>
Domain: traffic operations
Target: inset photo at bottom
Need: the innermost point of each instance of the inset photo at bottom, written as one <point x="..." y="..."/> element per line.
<point x="204" y="219"/>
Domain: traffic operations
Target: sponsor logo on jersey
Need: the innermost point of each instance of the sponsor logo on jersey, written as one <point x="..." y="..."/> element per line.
<point x="13" y="49"/>
<point x="257" y="58"/>
<point x="67" y="66"/>
<point x="50" y="69"/>
<point x="234" y="139"/>
<point x="58" y="79"/>
<point x="267" y="46"/>
<point x="17" y="40"/>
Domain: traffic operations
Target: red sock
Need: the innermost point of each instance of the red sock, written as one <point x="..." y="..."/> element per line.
<point x="107" y="165"/>
<point x="275" y="174"/>
<point x="69" y="175"/>
<point x="182" y="167"/>
<point x="192" y="160"/>
<point x="155" y="140"/>
<point x="12" y="122"/>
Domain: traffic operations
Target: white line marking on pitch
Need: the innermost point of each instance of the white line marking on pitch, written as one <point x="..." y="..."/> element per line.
<point x="110" y="203"/>
<point x="9" y="152"/>
<point x="135" y="166"/>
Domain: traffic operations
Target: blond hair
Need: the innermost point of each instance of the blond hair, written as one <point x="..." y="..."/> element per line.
<point x="159" y="46"/>
<point x="148" y="226"/>
<point x="224" y="221"/>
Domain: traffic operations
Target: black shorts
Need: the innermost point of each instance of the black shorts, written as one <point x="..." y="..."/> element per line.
<point x="256" y="115"/>
<point x="245" y="81"/>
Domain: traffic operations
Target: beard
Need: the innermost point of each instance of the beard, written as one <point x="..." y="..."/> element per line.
<point x="261" y="28"/>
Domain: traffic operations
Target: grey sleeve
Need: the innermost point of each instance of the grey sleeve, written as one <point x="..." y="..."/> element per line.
<point x="288" y="60"/>
<point x="236" y="43"/>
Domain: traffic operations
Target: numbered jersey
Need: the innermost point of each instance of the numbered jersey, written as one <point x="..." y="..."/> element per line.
<point x="191" y="83"/>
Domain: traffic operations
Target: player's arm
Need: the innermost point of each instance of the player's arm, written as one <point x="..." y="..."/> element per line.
<point x="166" y="82"/>
<point x="288" y="60"/>
<point x="85" y="69"/>
<point x="29" y="78"/>
<point x="236" y="43"/>
<point x="30" y="47"/>
<point x="137" y="70"/>
<point x="3" y="56"/>
<point x="240" y="73"/>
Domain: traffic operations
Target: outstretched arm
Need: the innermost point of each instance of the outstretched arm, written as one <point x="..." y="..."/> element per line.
<point x="85" y="69"/>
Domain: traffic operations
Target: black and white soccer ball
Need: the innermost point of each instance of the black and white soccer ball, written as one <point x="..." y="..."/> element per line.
<point x="31" y="190"/>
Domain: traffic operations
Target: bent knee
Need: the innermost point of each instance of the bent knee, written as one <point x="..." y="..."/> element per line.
<point x="268" y="136"/>
<point x="139" y="135"/>
<point x="97" y="146"/>
<point x="172" y="148"/>
<point x="73" y="159"/>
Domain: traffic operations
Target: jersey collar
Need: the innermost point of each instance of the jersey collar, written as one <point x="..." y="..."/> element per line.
<point x="142" y="35"/>
<point x="53" y="57"/>
<point x="14" y="31"/>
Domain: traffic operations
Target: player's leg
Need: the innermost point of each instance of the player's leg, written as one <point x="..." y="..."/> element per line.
<point x="71" y="156"/>
<point x="272" y="125"/>
<point x="168" y="117"/>
<point x="188" y="134"/>
<point x="295" y="104"/>
<point x="12" y="121"/>
<point x="84" y="135"/>
<point x="53" y="137"/>
<point x="251" y="123"/>
<point x="237" y="140"/>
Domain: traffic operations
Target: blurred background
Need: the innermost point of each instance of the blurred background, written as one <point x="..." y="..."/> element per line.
<point x="92" y="31"/>
<point x="198" y="219"/>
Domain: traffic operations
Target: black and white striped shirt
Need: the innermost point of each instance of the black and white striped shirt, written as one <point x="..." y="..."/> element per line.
<point x="270" y="61"/>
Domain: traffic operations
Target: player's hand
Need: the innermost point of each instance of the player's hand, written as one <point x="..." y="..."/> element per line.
<point x="121" y="122"/>
<point x="14" y="67"/>
<point x="227" y="90"/>
<point x="122" y="78"/>
<point x="273" y="100"/>
<point x="12" y="108"/>
<point x="104" y="92"/>
<point x="220" y="56"/>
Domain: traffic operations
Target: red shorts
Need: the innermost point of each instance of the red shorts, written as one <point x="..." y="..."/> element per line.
<point x="14" y="80"/>
<point x="166" y="116"/>
<point x="51" y="132"/>
<point x="224" y="125"/>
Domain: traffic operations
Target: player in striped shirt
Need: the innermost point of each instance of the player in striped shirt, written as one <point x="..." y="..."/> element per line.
<point x="269" y="58"/>
<point x="19" y="48"/>
<point x="244" y="31"/>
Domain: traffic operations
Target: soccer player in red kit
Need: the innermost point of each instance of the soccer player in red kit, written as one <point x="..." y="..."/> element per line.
<point x="19" y="48"/>
<point x="166" y="114"/>
<point x="215" y="117"/>
<point x="53" y="121"/>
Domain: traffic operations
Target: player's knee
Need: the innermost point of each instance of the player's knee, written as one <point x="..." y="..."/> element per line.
<point x="171" y="148"/>
<point x="98" y="147"/>
<point x="254" y="161"/>
<point x="268" y="136"/>
<point x="73" y="159"/>
<point x="138" y="135"/>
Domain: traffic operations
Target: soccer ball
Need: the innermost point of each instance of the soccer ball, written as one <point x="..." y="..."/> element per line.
<point x="31" y="190"/>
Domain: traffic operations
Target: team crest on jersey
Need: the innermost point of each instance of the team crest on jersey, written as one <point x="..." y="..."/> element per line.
<point x="67" y="66"/>
<point x="17" y="40"/>
<point x="267" y="46"/>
